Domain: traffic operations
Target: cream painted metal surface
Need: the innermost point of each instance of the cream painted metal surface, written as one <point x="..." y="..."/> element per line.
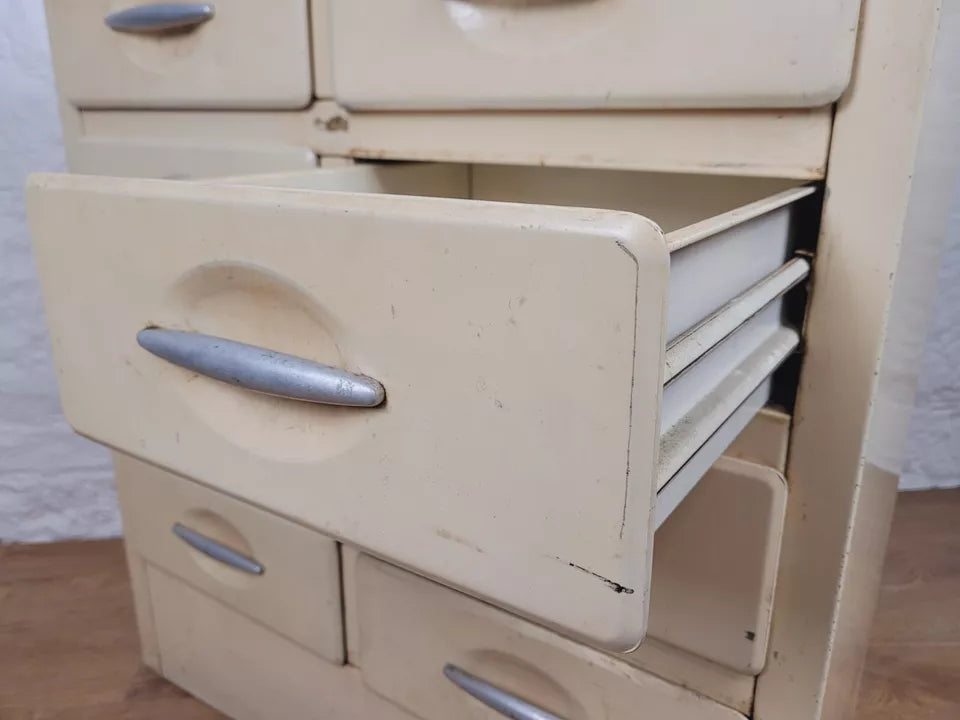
<point x="684" y="350"/>
<point x="320" y="32"/>
<point x="745" y="222"/>
<point x="420" y="297"/>
<point x="730" y="354"/>
<point x="410" y="628"/>
<point x="247" y="55"/>
<point x="137" y="566"/>
<point x="679" y="485"/>
<point x="490" y="326"/>
<point x="676" y="666"/>
<point x="711" y="224"/>
<point x="298" y="592"/>
<point x="708" y="405"/>
<point x="833" y="547"/>
<point x="764" y="441"/>
<point x="707" y="679"/>
<point x="746" y="143"/>
<point x="348" y="572"/>
<point x="577" y="54"/>
<point x="177" y="160"/>
<point x="715" y="565"/>
<point x="448" y="180"/>
<point x="244" y="669"/>
<point x="840" y="505"/>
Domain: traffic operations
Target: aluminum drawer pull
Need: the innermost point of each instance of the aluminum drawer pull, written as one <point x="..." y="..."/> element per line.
<point x="262" y="370"/>
<point x="495" y="698"/>
<point x="211" y="548"/>
<point x="160" y="17"/>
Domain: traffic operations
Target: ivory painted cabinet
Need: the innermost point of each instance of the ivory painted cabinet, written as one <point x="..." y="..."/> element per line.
<point x="540" y="398"/>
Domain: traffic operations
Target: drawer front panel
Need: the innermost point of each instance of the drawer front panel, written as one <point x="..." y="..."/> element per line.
<point x="279" y="573"/>
<point x="498" y="331"/>
<point x="245" y="670"/>
<point x="411" y="629"/>
<point x="247" y="55"/>
<point x="764" y="441"/>
<point x="583" y="54"/>
<point x="715" y="566"/>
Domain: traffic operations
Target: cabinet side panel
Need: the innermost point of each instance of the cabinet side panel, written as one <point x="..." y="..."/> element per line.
<point x="838" y="515"/>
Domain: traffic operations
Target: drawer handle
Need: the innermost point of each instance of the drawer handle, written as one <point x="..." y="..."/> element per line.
<point x="211" y="548"/>
<point x="262" y="370"/>
<point x="160" y="17"/>
<point x="495" y="698"/>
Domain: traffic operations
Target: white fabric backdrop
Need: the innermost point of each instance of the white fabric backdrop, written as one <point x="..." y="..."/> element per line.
<point x="54" y="484"/>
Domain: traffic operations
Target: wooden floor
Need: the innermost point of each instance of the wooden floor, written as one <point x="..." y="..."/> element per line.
<point x="913" y="664"/>
<point x="68" y="647"/>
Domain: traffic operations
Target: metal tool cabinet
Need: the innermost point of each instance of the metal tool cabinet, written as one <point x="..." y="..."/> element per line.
<point x="476" y="357"/>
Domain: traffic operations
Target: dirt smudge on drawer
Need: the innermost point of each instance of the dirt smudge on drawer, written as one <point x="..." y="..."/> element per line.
<point x="447" y="535"/>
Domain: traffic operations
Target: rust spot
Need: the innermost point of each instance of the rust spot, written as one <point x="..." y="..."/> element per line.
<point x="337" y="123"/>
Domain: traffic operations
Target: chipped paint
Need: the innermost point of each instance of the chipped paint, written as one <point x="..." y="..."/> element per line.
<point x="615" y="586"/>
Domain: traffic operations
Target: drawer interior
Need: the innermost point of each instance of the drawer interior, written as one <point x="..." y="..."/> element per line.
<point x="673" y="200"/>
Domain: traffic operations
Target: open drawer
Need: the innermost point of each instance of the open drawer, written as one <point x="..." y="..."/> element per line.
<point x="520" y="348"/>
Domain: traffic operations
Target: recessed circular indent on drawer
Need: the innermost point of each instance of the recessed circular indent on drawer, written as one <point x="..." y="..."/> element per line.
<point x="507" y="672"/>
<point x="160" y="52"/>
<point x="253" y="305"/>
<point x="530" y="28"/>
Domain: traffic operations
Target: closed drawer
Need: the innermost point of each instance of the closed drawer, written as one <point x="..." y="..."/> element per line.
<point x="522" y="349"/>
<point x="278" y="573"/>
<point x="715" y="566"/>
<point x="244" y="669"/>
<point x="583" y="54"/>
<point x="234" y="54"/>
<point x="411" y="630"/>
